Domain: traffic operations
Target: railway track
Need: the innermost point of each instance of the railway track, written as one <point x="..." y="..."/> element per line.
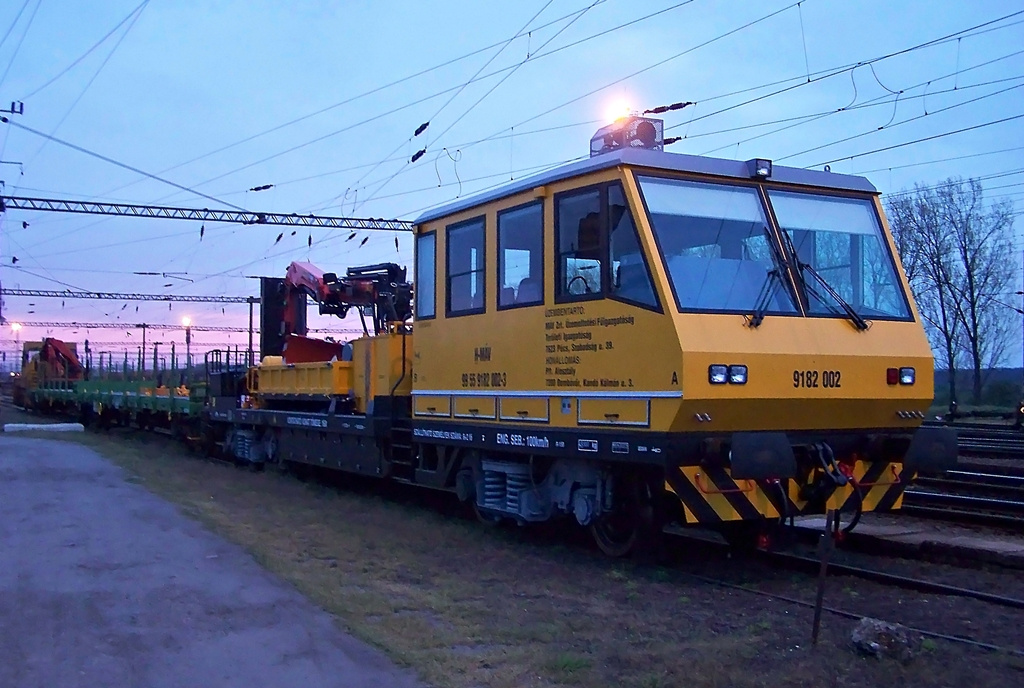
<point x="810" y="566"/>
<point x="970" y="496"/>
<point x="991" y="440"/>
<point x="987" y="488"/>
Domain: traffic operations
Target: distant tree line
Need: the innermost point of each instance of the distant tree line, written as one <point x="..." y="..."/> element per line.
<point x="958" y="255"/>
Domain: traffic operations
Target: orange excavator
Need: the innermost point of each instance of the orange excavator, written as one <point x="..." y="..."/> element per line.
<point x="53" y="361"/>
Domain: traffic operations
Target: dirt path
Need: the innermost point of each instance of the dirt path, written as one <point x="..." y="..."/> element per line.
<point x="104" y="584"/>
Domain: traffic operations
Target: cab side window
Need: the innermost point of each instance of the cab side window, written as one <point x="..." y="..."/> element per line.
<point x="580" y="266"/>
<point x="426" y="247"/>
<point x="464" y="244"/>
<point x="521" y="256"/>
<point x="599" y="251"/>
<point x="630" y="278"/>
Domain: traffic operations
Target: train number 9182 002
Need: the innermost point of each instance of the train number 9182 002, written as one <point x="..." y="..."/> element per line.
<point x="829" y="379"/>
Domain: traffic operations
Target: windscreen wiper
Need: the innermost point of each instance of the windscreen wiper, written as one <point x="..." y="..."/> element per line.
<point x="765" y="298"/>
<point x="859" y="322"/>
<point x="772" y="281"/>
<point x="855" y="317"/>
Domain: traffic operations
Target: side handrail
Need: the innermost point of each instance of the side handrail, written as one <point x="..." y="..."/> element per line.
<point x="749" y="486"/>
<point x="896" y="479"/>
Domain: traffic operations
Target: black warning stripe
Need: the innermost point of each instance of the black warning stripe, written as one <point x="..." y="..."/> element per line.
<point x="776" y="494"/>
<point x="739" y="501"/>
<point x="871" y="494"/>
<point x="888" y="501"/>
<point x="691" y="496"/>
<point x="874" y="472"/>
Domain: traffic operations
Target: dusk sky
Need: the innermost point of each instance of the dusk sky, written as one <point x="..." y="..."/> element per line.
<point x="321" y="100"/>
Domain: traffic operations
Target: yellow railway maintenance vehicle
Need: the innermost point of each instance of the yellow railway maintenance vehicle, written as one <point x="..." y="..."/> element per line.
<point x="632" y="339"/>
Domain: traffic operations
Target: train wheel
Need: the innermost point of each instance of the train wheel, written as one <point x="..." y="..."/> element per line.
<point x="630" y="525"/>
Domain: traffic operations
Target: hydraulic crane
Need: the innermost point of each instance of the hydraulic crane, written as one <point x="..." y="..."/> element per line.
<point x="378" y="290"/>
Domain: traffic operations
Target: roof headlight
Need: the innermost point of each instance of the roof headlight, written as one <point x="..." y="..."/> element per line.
<point x="718" y="374"/>
<point x="907" y="376"/>
<point x="737" y="375"/>
<point x="760" y="168"/>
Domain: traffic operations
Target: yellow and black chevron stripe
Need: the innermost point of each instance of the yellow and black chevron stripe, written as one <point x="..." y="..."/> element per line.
<point x="710" y="495"/>
<point x="881" y="486"/>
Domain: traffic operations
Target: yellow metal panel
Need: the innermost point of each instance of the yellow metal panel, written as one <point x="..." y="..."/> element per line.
<point x="333" y="378"/>
<point x="612" y="411"/>
<point x="475" y="407"/>
<point x="536" y="409"/>
<point x="392" y="363"/>
<point x="432" y="405"/>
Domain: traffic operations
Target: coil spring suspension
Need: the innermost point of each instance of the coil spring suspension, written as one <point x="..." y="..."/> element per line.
<point x="495" y="490"/>
<point x="515" y="485"/>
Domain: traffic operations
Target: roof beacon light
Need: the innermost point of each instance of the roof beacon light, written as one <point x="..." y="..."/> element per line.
<point x="629" y="132"/>
<point x="760" y="168"/>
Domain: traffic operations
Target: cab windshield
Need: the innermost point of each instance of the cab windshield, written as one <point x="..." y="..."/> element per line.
<point x="841" y="239"/>
<point x="714" y="241"/>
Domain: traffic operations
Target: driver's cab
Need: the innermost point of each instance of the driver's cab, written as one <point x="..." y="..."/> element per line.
<point x="606" y="292"/>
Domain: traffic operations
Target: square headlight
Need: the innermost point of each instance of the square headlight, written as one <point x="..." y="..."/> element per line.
<point x="718" y="374"/>
<point x="907" y="376"/>
<point x="737" y="374"/>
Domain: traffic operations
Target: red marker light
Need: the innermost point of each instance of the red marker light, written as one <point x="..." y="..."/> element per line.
<point x="892" y="376"/>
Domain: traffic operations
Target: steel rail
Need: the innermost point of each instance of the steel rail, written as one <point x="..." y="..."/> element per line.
<point x="852" y="615"/>
<point x="901" y="581"/>
<point x="964" y="501"/>
<point x="811" y="564"/>
<point x="948" y="514"/>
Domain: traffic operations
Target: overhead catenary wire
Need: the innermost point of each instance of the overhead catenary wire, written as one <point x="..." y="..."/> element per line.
<point x="14" y="22"/>
<point x="916" y="141"/>
<point x="457" y="93"/>
<point x="414" y="189"/>
<point x="880" y="100"/>
<point x="940" y="160"/>
<point x="869" y="104"/>
<point x="137" y="10"/>
<point x="17" y="48"/>
<point x="477" y="102"/>
<point x="134" y="17"/>
<point x="977" y="29"/>
<point x="117" y="163"/>
<point x="852" y="137"/>
<point x="822" y="75"/>
<point x="935" y="187"/>
<point x="637" y="73"/>
<point x="376" y="117"/>
<point x="364" y="94"/>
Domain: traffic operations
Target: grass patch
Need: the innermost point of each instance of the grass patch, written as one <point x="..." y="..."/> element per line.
<point x="467" y="606"/>
<point x="567" y="667"/>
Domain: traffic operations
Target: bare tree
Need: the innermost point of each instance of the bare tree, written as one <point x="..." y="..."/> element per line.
<point x="982" y="241"/>
<point x="956" y="252"/>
